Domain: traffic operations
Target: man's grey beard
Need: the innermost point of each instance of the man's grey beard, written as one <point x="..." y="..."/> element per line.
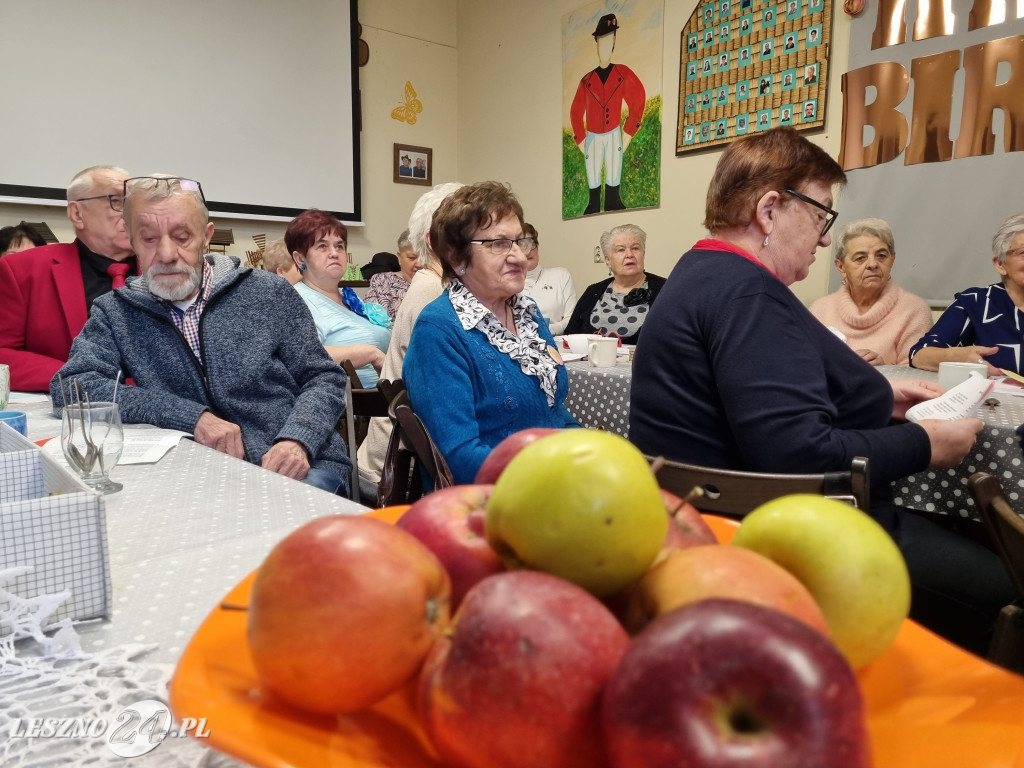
<point x="183" y="290"/>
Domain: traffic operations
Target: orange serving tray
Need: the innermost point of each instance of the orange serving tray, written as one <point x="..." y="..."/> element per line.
<point x="930" y="704"/>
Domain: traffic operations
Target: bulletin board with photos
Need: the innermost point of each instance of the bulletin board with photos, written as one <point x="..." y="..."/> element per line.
<point x="752" y="65"/>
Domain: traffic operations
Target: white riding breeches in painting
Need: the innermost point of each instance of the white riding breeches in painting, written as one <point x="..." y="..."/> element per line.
<point x="604" y="149"/>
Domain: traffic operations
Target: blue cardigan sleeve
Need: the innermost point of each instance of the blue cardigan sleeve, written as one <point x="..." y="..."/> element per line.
<point x="953" y="329"/>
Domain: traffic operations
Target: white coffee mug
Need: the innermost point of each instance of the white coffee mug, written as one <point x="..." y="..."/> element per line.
<point x="602" y="351"/>
<point x="953" y="373"/>
<point x="578" y="342"/>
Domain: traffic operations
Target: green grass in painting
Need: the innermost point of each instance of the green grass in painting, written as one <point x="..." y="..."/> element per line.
<point x="641" y="167"/>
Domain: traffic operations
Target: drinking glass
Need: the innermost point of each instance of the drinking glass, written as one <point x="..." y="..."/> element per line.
<point x="5" y="386"/>
<point x="92" y="437"/>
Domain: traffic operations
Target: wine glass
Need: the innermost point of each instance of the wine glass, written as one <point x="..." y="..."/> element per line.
<point x="92" y="437"/>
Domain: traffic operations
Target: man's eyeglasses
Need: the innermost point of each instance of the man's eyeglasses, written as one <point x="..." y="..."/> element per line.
<point x="502" y="246"/>
<point x="116" y="201"/>
<point x="154" y="182"/>
<point x="637" y="296"/>
<point x="830" y="215"/>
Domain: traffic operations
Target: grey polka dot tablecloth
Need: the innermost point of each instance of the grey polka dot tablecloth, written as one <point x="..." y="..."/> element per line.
<point x="599" y="398"/>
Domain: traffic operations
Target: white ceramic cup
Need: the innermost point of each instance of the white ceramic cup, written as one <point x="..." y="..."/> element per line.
<point x="578" y="342"/>
<point x="953" y="373"/>
<point x="602" y="351"/>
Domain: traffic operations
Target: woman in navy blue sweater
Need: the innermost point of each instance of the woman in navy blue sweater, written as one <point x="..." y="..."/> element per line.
<point x="481" y="362"/>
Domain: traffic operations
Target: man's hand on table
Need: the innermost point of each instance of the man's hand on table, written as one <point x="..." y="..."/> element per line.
<point x="287" y="458"/>
<point x="221" y="435"/>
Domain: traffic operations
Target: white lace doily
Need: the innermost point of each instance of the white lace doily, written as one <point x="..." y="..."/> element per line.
<point x="47" y="675"/>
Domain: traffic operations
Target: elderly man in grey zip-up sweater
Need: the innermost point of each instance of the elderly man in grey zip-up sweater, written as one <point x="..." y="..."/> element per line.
<point x="260" y="364"/>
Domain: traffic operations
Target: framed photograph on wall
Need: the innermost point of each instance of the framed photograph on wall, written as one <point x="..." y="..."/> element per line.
<point x="413" y="165"/>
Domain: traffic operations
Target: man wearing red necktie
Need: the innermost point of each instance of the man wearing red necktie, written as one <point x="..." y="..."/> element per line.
<point x="47" y="292"/>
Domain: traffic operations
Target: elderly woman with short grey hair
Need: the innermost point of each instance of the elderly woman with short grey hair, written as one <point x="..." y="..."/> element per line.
<point x="618" y="306"/>
<point x="984" y="324"/>
<point x="878" y="319"/>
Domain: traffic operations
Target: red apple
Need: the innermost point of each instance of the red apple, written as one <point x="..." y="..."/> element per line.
<point x="450" y="523"/>
<point x="343" y="611"/>
<point x="519" y="683"/>
<point x="689" y="530"/>
<point x="729" y="684"/>
<point x="685" y="576"/>
<point x="503" y="452"/>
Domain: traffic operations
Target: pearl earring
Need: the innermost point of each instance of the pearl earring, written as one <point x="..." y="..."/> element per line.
<point x="462" y="271"/>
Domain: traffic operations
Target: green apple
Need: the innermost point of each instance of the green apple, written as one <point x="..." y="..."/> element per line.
<point x="846" y="560"/>
<point x="582" y="505"/>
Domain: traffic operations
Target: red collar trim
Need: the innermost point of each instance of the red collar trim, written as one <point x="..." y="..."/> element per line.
<point x="711" y="244"/>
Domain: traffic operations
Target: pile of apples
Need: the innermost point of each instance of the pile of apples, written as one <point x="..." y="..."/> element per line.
<point x="564" y="611"/>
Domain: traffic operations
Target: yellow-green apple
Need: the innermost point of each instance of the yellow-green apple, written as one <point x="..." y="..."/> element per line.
<point x="450" y="523"/>
<point x="688" y="528"/>
<point x="848" y="562"/>
<point x="581" y="504"/>
<point x="343" y="611"/>
<point x="685" y="576"/>
<point x="519" y="683"/>
<point x="731" y="684"/>
<point x="502" y="453"/>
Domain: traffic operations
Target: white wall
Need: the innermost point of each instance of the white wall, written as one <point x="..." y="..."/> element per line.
<point x="510" y="127"/>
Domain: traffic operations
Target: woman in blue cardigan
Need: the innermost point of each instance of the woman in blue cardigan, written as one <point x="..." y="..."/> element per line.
<point x="481" y="362"/>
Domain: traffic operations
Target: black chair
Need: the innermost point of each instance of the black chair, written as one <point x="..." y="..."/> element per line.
<point x="409" y="449"/>
<point x="360" y="406"/>
<point x="733" y="494"/>
<point x="1007" y="531"/>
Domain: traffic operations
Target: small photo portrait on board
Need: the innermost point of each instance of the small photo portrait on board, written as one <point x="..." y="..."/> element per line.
<point x="691" y="70"/>
<point x="789" y="42"/>
<point x="722" y="96"/>
<point x="724" y="8"/>
<point x="720" y="128"/>
<point x="743" y="56"/>
<point x="789" y="79"/>
<point x="767" y="46"/>
<point x="709" y="36"/>
<point x="724" y="31"/>
<point x="810" y="112"/>
<point x="767" y="20"/>
<point x="705" y="99"/>
<point x="792" y="9"/>
<point x="814" y="6"/>
<point x="742" y="124"/>
<point x="708" y="14"/>
<point x="746" y="24"/>
<point x="707" y="66"/>
<point x="691" y="42"/>
<point x="811" y="74"/>
<point x="723" y="60"/>
<point x="689" y="134"/>
<point x="786" y="115"/>
<point x="691" y="104"/>
<point x="764" y="85"/>
<point x="741" y="90"/>
<point x="764" y="119"/>
<point x="705" y="131"/>
<point x="814" y="36"/>
<point x="746" y="5"/>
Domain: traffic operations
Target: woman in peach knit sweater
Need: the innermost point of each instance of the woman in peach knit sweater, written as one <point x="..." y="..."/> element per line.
<point x="880" y="320"/>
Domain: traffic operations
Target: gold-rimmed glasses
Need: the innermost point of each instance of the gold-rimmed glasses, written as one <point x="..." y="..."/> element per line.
<point x="185" y="185"/>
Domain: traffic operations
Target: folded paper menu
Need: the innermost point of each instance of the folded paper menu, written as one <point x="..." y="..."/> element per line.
<point x="957" y="403"/>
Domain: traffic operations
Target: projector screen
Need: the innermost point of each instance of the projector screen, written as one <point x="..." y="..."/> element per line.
<point x="255" y="99"/>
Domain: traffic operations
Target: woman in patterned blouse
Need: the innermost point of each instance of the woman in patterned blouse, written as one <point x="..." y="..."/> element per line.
<point x="388" y="288"/>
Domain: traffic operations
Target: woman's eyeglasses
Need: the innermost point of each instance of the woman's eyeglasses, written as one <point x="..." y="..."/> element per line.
<point x="830" y="215"/>
<point x="502" y="246"/>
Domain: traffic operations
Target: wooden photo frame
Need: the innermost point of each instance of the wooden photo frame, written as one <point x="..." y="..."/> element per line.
<point x="413" y="165"/>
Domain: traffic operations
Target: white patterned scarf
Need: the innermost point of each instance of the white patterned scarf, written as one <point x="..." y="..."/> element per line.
<point x="529" y="348"/>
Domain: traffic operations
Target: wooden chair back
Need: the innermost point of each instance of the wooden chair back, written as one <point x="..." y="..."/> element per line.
<point x="360" y="406"/>
<point x="1007" y="531"/>
<point x="410" y="447"/>
<point x="734" y="494"/>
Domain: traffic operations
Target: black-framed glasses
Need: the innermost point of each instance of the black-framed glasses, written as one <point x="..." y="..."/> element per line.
<point x="830" y="215"/>
<point x="116" y="201"/>
<point x="502" y="246"/>
<point x="185" y="185"/>
<point x="637" y="296"/>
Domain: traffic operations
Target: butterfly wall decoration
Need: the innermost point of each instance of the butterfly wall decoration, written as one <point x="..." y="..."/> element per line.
<point x="410" y="108"/>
